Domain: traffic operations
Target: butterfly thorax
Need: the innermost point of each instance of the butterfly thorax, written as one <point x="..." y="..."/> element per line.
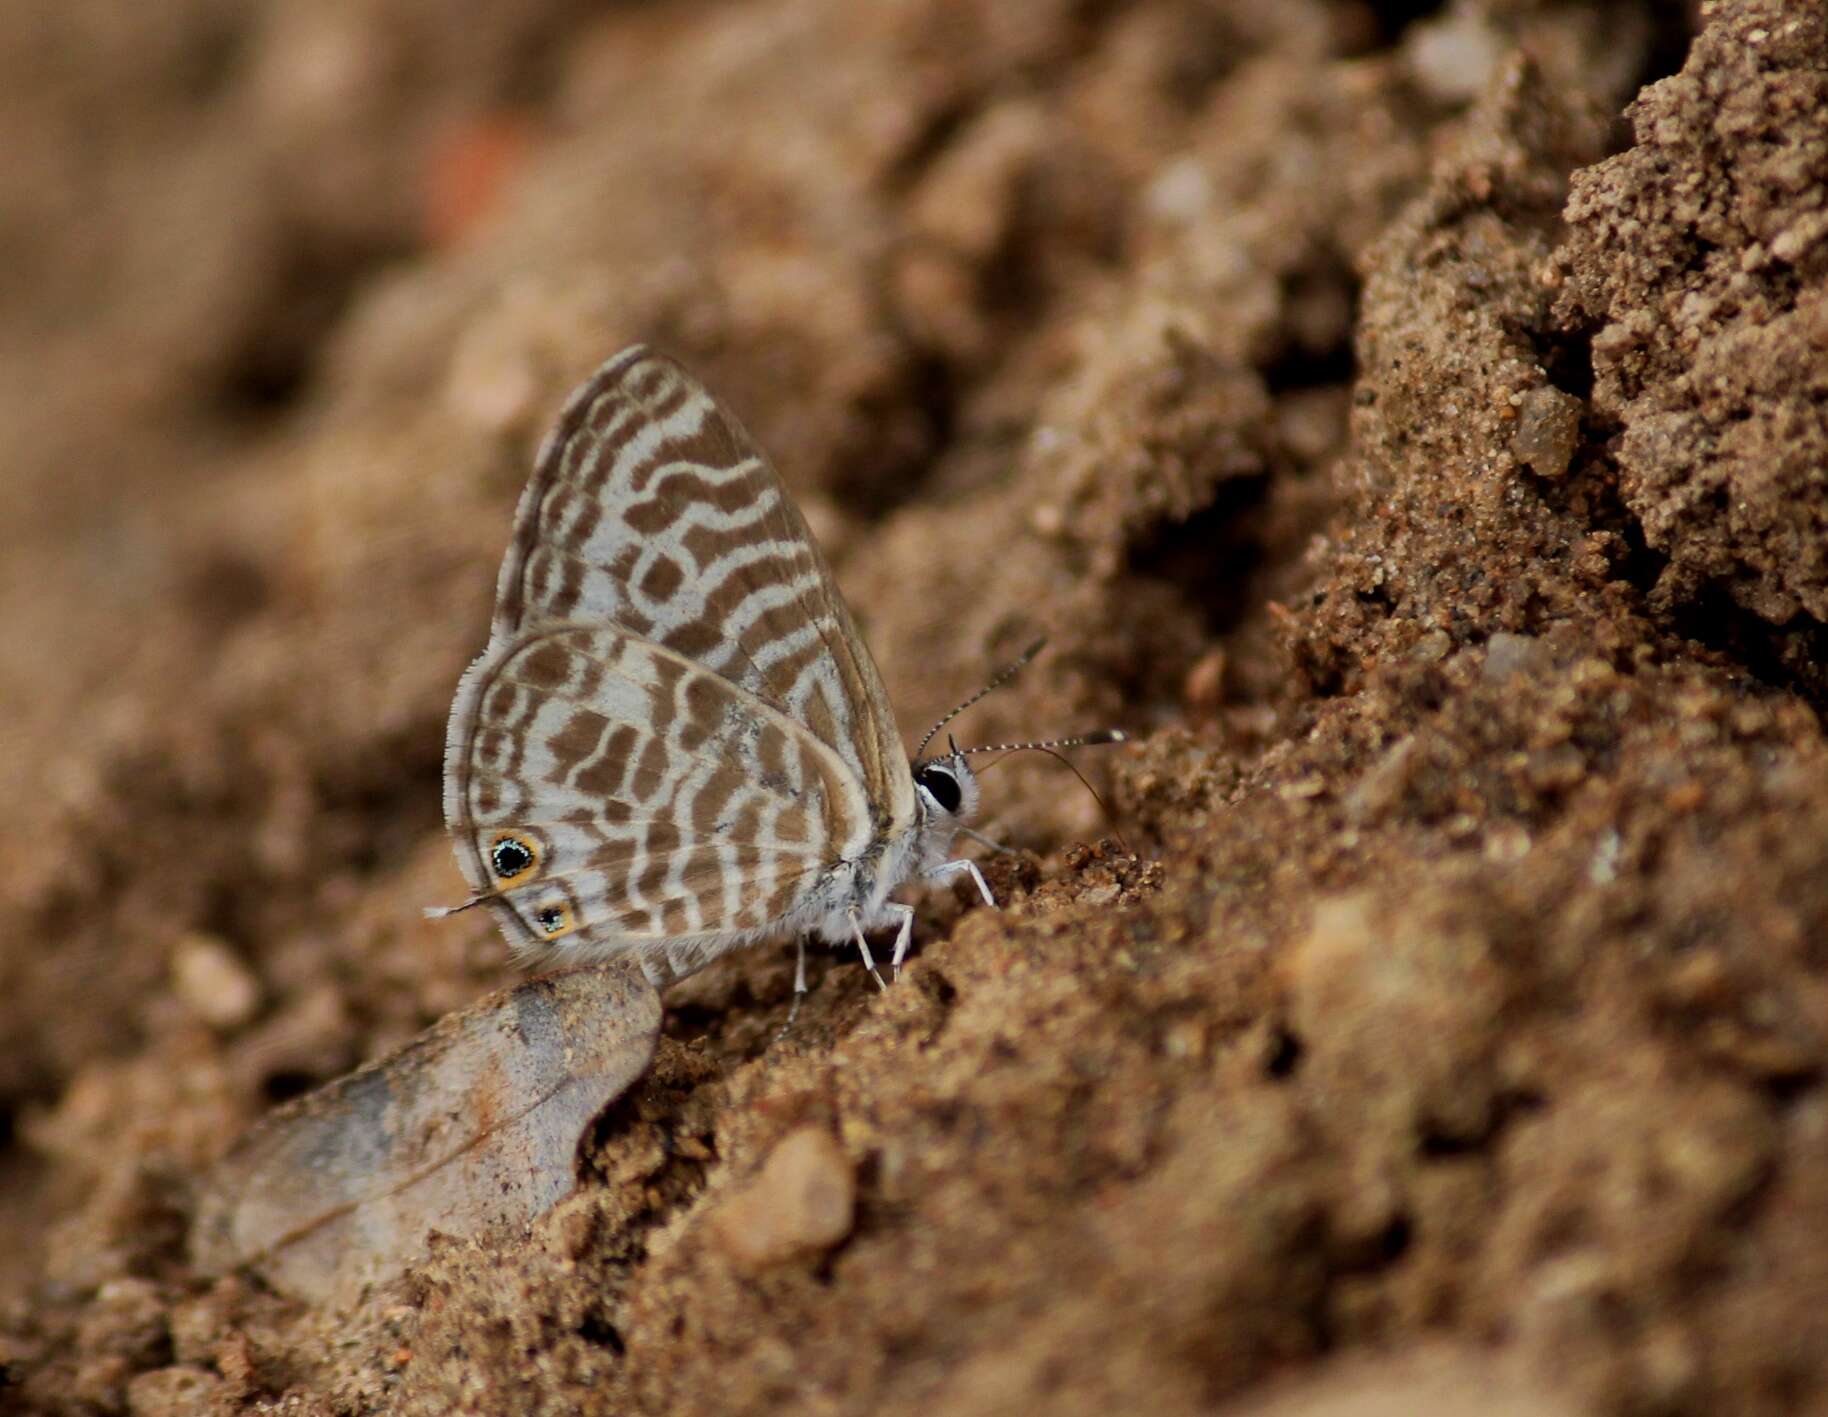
<point x="945" y="799"/>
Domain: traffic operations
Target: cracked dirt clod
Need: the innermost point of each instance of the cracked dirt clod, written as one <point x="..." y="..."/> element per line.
<point x="1706" y="306"/>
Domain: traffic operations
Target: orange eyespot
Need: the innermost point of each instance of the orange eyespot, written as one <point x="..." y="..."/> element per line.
<point x="553" y="920"/>
<point x="513" y="857"/>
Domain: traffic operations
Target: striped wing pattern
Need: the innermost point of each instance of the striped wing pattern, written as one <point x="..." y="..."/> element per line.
<point x="652" y="509"/>
<point x="676" y="730"/>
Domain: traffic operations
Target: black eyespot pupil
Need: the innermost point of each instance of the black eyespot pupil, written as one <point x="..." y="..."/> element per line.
<point x="510" y="858"/>
<point x="551" y="918"/>
<point x="943" y="787"/>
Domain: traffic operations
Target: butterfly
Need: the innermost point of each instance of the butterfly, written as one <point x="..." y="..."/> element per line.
<point x="676" y="742"/>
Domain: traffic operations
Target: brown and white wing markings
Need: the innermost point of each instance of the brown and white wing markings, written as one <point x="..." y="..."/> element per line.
<point x="651" y="509"/>
<point x="642" y="799"/>
<point x="675" y="734"/>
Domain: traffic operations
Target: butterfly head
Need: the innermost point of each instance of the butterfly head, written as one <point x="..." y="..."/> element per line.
<point x="946" y="789"/>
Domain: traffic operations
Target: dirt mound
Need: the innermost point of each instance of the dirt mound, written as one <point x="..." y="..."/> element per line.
<point x="1423" y="463"/>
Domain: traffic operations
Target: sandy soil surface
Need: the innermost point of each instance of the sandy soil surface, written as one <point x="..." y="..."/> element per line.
<point x="1410" y="422"/>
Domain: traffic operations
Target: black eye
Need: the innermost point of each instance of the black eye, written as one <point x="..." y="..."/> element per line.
<point x="942" y="785"/>
<point x="510" y="857"/>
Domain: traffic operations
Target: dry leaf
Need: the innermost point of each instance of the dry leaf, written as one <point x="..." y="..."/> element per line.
<point x="472" y="1127"/>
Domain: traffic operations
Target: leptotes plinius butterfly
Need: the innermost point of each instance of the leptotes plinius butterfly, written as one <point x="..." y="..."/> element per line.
<point x="676" y="741"/>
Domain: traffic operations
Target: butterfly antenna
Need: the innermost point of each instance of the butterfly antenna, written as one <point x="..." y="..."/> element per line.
<point x="997" y="681"/>
<point x="1083" y="740"/>
<point x="1110" y="735"/>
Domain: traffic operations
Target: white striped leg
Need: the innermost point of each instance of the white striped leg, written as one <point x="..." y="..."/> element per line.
<point x="904" y="933"/>
<point x="799" y="986"/>
<point x="949" y="869"/>
<point x="863" y="948"/>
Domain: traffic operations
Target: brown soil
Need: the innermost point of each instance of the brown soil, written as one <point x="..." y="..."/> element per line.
<point x="1425" y="463"/>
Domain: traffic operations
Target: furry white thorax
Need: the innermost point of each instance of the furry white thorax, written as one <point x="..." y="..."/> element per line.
<point x="865" y="885"/>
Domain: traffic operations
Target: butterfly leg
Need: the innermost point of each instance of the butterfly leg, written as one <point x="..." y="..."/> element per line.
<point x="952" y="868"/>
<point x="799" y="986"/>
<point x="863" y="946"/>
<point x="904" y="933"/>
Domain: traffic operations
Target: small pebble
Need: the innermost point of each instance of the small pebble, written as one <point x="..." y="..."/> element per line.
<point x="802" y="1201"/>
<point x="172" y="1392"/>
<point x="1204" y="686"/>
<point x="212" y="983"/>
<point x="1452" y="58"/>
<point x="1548" y="431"/>
<point x="1507" y="655"/>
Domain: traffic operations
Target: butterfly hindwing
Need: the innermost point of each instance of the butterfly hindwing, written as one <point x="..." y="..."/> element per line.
<point x="607" y="794"/>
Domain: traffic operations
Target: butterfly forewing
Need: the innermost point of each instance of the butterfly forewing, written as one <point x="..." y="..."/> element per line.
<point x="675" y="729"/>
<point x="652" y="509"/>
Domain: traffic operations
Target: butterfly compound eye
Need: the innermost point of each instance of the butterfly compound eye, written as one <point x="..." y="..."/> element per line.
<point x="941" y="785"/>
